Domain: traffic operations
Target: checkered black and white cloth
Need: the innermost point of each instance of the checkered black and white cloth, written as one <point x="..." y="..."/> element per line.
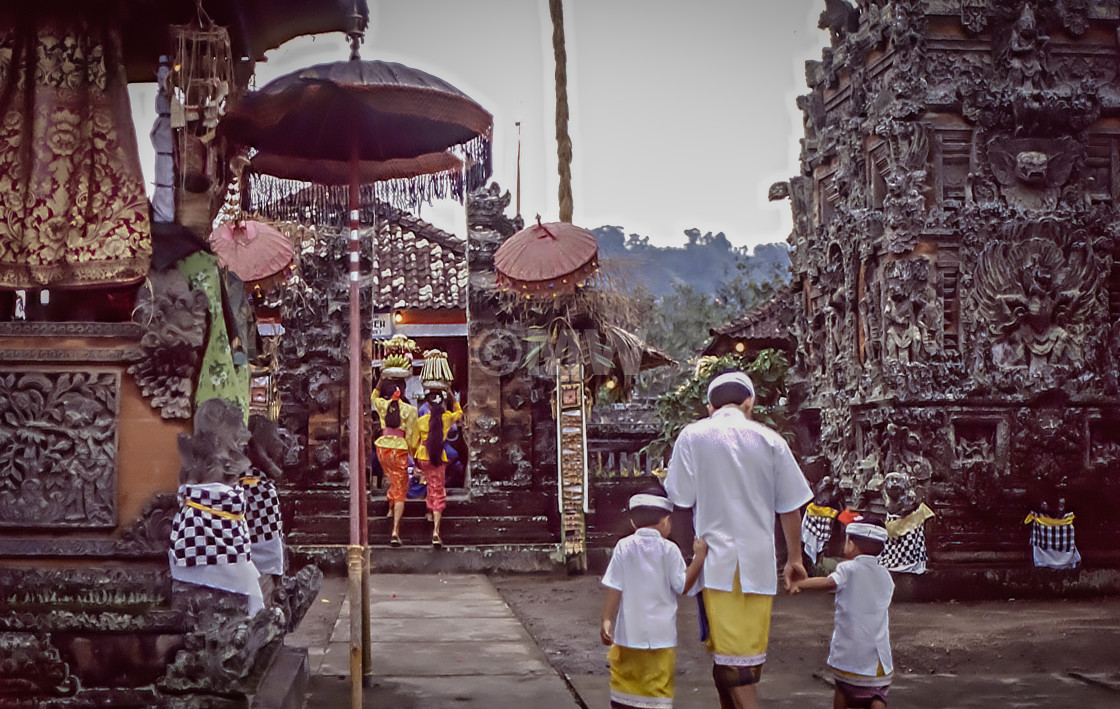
<point x="815" y="533"/>
<point x="1056" y="538"/>
<point x="905" y="553"/>
<point x="1053" y="544"/>
<point x="209" y="527"/>
<point x="262" y="509"/>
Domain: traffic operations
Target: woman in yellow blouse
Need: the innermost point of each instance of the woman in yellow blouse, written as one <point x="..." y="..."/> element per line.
<point x="399" y="437"/>
<point x="430" y="455"/>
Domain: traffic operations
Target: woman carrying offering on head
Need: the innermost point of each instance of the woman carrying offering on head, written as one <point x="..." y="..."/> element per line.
<point x="399" y="436"/>
<point x="443" y="412"/>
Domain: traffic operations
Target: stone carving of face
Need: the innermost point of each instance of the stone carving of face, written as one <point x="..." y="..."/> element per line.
<point x="1031" y="167"/>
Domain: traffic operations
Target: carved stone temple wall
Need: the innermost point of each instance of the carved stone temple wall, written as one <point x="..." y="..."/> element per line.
<point x="955" y="264"/>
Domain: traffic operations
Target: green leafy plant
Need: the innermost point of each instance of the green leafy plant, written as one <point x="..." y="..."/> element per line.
<point x="688" y="402"/>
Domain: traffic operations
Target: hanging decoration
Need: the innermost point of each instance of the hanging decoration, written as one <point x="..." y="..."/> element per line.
<point x="198" y="86"/>
<point x="73" y="211"/>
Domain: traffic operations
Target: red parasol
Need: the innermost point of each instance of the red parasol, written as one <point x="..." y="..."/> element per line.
<point x="251" y="249"/>
<point x="547" y="258"/>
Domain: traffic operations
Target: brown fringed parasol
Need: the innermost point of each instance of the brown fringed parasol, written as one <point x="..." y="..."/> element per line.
<point x="547" y="259"/>
<point x="336" y="172"/>
<point x="340" y="117"/>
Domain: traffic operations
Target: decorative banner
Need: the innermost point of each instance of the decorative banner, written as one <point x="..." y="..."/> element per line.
<point x="571" y="436"/>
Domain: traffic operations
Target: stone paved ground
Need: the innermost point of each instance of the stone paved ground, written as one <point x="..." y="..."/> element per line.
<point x="993" y="654"/>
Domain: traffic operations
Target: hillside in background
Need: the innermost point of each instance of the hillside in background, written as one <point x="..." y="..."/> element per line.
<point x="684" y="291"/>
<point x="704" y="262"/>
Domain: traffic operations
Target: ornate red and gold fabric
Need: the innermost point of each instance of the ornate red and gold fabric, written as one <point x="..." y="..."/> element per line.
<point x="73" y="211"/>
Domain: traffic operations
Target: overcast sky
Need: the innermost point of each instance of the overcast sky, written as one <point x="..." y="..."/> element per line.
<point x="682" y="113"/>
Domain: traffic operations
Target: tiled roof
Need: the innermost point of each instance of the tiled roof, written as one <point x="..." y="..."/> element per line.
<point x="416" y="265"/>
<point x="770" y="321"/>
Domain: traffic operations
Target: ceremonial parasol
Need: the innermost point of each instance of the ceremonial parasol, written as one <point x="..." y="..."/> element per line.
<point x="547" y="258"/>
<point x="251" y="249"/>
<point x="349" y="114"/>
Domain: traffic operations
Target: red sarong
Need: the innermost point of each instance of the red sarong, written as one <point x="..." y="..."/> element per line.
<point x="394" y="461"/>
<point x="434" y="476"/>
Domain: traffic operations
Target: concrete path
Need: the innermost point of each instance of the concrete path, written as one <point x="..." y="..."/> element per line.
<point x="437" y="640"/>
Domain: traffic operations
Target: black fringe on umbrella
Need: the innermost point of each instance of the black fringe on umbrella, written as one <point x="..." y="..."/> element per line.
<point x="477" y="154"/>
<point x="311" y="203"/>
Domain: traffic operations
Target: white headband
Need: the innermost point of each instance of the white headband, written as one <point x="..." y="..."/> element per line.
<point x="729" y="378"/>
<point x="644" y="500"/>
<point x="867" y="531"/>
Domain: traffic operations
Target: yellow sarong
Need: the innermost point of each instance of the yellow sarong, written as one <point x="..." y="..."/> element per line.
<point x="738" y="625"/>
<point x="642" y="678"/>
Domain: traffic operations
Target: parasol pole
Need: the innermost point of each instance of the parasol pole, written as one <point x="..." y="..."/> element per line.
<point x="354" y="553"/>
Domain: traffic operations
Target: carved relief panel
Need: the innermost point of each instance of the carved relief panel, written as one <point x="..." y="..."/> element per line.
<point x="58" y="448"/>
<point x="911" y="312"/>
<point x="980" y="450"/>
<point x="1036" y="292"/>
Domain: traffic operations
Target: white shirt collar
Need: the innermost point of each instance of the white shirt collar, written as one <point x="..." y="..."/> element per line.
<point x="647" y="532"/>
<point x="728" y="411"/>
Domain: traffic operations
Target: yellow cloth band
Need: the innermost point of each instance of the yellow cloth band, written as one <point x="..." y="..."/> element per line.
<point x="898" y="527"/>
<point x="249" y="481"/>
<point x="814" y="510"/>
<point x="211" y="510"/>
<point x="1049" y="521"/>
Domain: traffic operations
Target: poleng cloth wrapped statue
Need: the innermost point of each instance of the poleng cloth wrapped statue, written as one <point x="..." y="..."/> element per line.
<point x="262" y="516"/>
<point x="1052" y="541"/>
<point x="905" y="551"/>
<point x="436" y="373"/>
<point x="210" y="541"/>
<point x="816" y="529"/>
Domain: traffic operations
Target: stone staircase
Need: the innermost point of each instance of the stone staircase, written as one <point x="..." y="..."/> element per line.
<point x="317" y="526"/>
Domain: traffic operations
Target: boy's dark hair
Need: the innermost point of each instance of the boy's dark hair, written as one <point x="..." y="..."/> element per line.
<point x="649" y="516"/>
<point x="867" y="546"/>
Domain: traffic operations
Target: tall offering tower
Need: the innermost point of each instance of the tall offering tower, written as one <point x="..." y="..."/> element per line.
<point x="955" y="264"/>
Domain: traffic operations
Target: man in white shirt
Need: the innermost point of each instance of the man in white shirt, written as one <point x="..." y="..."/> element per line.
<point x="737" y="475"/>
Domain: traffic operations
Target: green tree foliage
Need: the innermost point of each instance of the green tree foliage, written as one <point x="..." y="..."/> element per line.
<point x="688" y="402"/>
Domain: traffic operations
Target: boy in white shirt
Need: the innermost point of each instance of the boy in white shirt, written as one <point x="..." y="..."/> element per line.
<point x="860" y="653"/>
<point x="645" y="575"/>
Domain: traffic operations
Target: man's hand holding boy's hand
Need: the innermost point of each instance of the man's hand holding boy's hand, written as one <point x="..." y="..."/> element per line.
<point x="699" y="548"/>
<point x="606" y="632"/>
